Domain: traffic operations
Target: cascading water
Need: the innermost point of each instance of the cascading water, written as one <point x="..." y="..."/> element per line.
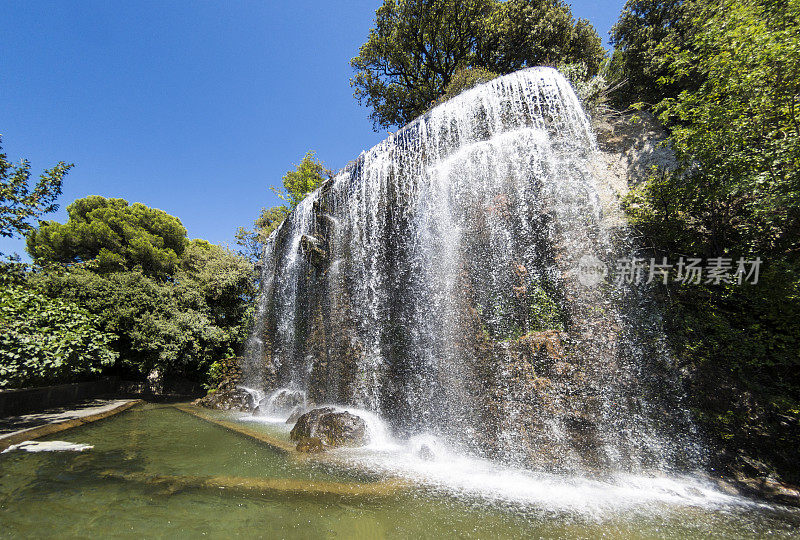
<point x="433" y="282"/>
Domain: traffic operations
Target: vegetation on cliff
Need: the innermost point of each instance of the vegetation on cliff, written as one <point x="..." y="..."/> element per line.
<point x="417" y="48"/>
<point x="724" y="79"/>
<point x="296" y="184"/>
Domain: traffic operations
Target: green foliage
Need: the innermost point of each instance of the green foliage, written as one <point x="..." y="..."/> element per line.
<point x="223" y="279"/>
<point x="664" y="208"/>
<point x="180" y="326"/>
<point x="647" y="35"/>
<point x="544" y="312"/>
<point x="45" y="340"/>
<point x="462" y="80"/>
<point x="18" y="202"/>
<point x="174" y="304"/>
<point x="301" y="181"/>
<point x="524" y="33"/>
<point x="592" y="90"/>
<point x="413" y="52"/>
<point x="297" y="184"/>
<point x="225" y="368"/>
<point x="727" y="83"/>
<point x="741" y="127"/>
<point x="417" y="47"/>
<point x="738" y="135"/>
<point x="111" y="236"/>
<point x="529" y="309"/>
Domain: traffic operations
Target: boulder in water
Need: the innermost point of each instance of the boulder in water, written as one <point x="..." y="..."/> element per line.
<point x="333" y="428"/>
<point x="310" y="445"/>
<point x="426" y="453"/>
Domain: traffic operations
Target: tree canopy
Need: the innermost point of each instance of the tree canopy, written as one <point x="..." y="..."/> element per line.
<point x="19" y="201"/>
<point x="112" y="235"/>
<point x="417" y="46"/>
<point x="167" y="302"/>
<point x="736" y="130"/>
<point x="647" y="38"/>
<point x="302" y="180"/>
<point x="180" y="325"/>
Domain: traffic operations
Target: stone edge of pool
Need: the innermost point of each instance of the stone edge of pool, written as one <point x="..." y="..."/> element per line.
<point x="36" y="432"/>
<point x="381" y="488"/>
<point x="273" y="442"/>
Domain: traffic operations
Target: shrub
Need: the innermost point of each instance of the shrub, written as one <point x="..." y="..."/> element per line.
<point x="45" y="340"/>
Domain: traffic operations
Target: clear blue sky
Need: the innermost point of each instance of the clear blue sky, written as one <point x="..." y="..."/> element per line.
<point x="193" y="107"/>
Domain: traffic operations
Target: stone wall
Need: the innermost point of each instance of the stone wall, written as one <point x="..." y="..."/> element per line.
<point x="25" y="400"/>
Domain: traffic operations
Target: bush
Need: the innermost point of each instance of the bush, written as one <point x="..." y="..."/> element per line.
<point x="47" y="340"/>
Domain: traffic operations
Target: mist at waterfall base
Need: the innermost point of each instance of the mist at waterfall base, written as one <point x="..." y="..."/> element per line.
<point x="409" y="289"/>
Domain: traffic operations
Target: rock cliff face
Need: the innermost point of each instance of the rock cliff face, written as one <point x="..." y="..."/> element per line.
<point x="456" y="279"/>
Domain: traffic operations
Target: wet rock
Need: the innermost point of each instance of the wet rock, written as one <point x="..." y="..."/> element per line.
<point x="288" y="399"/>
<point x="227" y="397"/>
<point x="282" y="401"/>
<point x="310" y="445"/>
<point x="333" y="428"/>
<point x="296" y="414"/>
<point x="755" y="478"/>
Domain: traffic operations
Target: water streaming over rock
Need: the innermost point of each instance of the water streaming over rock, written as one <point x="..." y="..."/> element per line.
<point x="434" y="282"/>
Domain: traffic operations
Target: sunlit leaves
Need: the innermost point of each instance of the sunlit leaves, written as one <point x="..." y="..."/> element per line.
<point x="19" y="201"/>
<point x="417" y="47"/>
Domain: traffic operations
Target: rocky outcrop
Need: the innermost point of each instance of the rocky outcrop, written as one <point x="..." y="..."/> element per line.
<point x="433" y="281"/>
<point x="282" y="402"/>
<point x="629" y="145"/>
<point x="227" y="397"/>
<point x="295" y="415"/>
<point x="333" y="428"/>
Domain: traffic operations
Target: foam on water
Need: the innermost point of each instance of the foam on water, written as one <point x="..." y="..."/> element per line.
<point x="48" y="446"/>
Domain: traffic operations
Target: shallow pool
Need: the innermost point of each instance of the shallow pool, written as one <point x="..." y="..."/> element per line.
<point x="148" y="473"/>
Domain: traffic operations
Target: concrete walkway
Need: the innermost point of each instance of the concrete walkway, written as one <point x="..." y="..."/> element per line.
<point x="15" y="429"/>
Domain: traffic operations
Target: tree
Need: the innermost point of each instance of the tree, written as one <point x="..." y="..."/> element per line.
<point x="646" y="38"/>
<point x="223" y="278"/>
<point x="179" y="326"/>
<point x="305" y="178"/>
<point x="18" y="202"/>
<point x="739" y="131"/>
<point x="111" y="235"/>
<point x="172" y="304"/>
<point x="252" y="240"/>
<point x="524" y="33"/>
<point x="417" y="46"/>
<point x="411" y="54"/>
<point x="296" y="185"/>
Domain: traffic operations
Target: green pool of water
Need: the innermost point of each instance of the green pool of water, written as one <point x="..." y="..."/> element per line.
<point x="69" y="494"/>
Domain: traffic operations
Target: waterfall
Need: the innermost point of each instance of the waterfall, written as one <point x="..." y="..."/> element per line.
<point x="433" y="282"/>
